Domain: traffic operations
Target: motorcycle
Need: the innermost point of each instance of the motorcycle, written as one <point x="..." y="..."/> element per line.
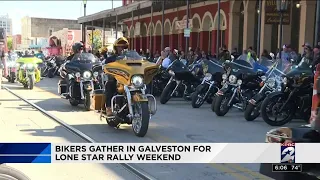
<point x="240" y="83"/>
<point x="159" y="82"/>
<point x="82" y="81"/>
<point x="11" y="66"/>
<point x="271" y="83"/>
<point x="132" y="105"/>
<point x="54" y="64"/>
<point x="44" y="69"/>
<point x="210" y="84"/>
<point x="28" y="71"/>
<point x="294" y="99"/>
<point x="183" y="80"/>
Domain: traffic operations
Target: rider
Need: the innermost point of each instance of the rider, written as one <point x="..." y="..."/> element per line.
<point x="40" y="55"/>
<point x="76" y="48"/>
<point x="111" y="86"/>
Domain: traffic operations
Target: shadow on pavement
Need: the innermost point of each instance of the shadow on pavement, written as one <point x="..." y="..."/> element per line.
<point x="24" y="107"/>
<point x="52" y="105"/>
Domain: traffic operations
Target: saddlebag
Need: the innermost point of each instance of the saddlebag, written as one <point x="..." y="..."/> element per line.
<point x="98" y="100"/>
<point x="62" y="87"/>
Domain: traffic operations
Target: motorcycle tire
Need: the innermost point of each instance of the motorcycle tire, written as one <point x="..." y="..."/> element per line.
<point x="217" y="105"/>
<point x="31" y="82"/>
<point x="73" y="102"/>
<point x="51" y="73"/>
<point x="11" y="173"/>
<point x="87" y="101"/>
<point x="248" y="112"/>
<point x="266" y="118"/>
<point x="145" y="117"/>
<point x="166" y="93"/>
<point x="194" y="99"/>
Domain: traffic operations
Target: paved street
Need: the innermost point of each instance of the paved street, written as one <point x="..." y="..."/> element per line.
<point x="176" y="121"/>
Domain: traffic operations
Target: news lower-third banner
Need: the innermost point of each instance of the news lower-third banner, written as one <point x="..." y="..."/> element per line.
<point x="159" y="153"/>
<point x="25" y="152"/>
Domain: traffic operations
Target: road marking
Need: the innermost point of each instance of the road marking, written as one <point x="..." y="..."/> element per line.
<point x="226" y="168"/>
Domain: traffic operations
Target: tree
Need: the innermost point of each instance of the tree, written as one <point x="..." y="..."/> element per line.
<point x="9" y="43"/>
<point x="96" y="38"/>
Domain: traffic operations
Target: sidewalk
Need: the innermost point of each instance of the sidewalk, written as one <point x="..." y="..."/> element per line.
<point x="21" y="123"/>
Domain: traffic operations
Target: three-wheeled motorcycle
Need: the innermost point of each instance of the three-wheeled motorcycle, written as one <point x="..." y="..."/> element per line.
<point x="131" y="104"/>
<point x="82" y="79"/>
<point x="28" y="72"/>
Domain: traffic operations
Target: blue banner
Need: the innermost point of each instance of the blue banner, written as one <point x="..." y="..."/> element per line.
<point x="25" y="148"/>
<point x="25" y="159"/>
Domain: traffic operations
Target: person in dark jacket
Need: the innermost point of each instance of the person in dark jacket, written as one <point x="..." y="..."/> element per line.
<point x="266" y="54"/>
<point x="224" y="54"/>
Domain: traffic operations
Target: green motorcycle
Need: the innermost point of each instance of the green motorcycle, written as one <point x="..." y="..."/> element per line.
<point x="28" y="72"/>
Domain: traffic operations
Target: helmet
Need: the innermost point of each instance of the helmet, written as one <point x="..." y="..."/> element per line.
<point x="121" y="42"/>
<point x="77" y="47"/>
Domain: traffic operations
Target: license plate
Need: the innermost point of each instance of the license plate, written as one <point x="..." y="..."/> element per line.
<point x="220" y="92"/>
<point x="252" y="101"/>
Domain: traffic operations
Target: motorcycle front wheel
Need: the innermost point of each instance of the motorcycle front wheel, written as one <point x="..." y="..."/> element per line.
<point x="251" y="112"/>
<point x="31" y="81"/>
<point x="140" y="124"/>
<point x="221" y="107"/>
<point x="197" y="99"/>
<point x="87" y="101"/>
<point x="166" y="93"/>
<point x="51" y="73"/>
<point x="270" y="107"/>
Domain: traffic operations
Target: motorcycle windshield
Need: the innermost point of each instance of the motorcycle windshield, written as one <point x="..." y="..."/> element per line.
<point x="268" y="63"/>
<point x="178" y="66"/>
<point x="130" y="55"/>
<point x="83" y="61"/>
<point x="212" y="67"/>
<point x="303" y="68"/>
<point x="29" y="60"/>
<point x="244" y="62"/>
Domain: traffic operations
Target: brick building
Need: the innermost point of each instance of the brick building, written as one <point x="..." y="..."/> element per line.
<point x="16" y="42"/>
<point x="143" y="25"/>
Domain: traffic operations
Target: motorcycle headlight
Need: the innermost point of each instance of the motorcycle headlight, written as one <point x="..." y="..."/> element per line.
<point x="78" y="74"/>
<point x="232" y="79"/>
<point x="224" y="76"/>
<point x="284" y="80"/>
<point x="208" y="76"/>
<point x="86" y="75"/>
<point x="30" y="66"/>
<point x="95" y="74"/>
<point x="137" y="81"/>
<point x="171" y="72"/>
<point x="271" y="82"/>
<point x="263" y="78"/>
<point x="239" y="82"/>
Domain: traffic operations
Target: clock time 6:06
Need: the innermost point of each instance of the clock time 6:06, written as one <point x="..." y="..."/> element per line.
<point x="286" y="167"/>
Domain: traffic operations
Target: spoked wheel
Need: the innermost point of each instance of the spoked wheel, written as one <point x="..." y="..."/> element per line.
<point x="197" y="99"/>
<point x="271" y="114"/>
<point x="221" y="107"/>
<point x="73" y="102"/>
<point x="31" y="81"/>
<point x="140" y="122"/>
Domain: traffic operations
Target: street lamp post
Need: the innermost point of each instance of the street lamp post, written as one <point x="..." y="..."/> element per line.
<point x="83" y="25"/>
<point x="282" y="6"/>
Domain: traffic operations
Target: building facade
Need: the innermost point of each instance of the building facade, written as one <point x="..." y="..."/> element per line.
<point x="238" y="28"/>
<point x="6" y="23"/>
<point x="33" y="29"/>
<point x="16" y="42"/>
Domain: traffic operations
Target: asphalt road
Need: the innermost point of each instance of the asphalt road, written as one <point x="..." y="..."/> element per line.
<point x="175" y="121"/>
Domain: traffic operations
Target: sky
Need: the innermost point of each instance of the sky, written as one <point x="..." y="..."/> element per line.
<point x="51" y="9"/>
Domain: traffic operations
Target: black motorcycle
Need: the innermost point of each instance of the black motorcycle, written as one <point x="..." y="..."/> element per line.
<point x="183" y="80"/>
<point x="159" y="82"/>
<point x="54" y="65"/>
<point x="210" y="84"/>
<point x="294" y="99"/>
<point x="271" y="83"/>
<point x="240" y="83"/>
<point x="82" y="71"/>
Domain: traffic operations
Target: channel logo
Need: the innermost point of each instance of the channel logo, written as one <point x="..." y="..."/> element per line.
<point x="288" y="153"/>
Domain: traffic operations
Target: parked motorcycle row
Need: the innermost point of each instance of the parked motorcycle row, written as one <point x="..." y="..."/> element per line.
<point x="279" y="91"/>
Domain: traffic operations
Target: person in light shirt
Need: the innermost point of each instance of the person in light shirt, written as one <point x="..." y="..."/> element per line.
<point x="167" y="61"/>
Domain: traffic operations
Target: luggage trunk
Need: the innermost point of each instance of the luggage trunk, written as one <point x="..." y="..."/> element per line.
<point x="98" y="100"/>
